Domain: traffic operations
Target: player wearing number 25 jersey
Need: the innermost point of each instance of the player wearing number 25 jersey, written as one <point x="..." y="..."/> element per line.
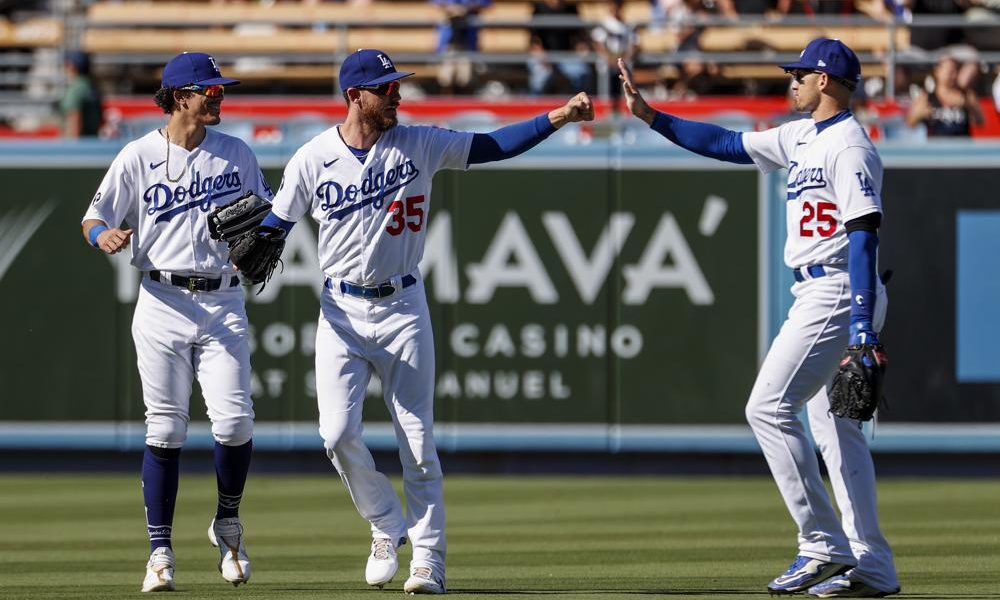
<point x="834" y="210"/>
<point x="367" y="182"/>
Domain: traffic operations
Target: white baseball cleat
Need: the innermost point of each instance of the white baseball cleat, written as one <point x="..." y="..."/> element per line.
<point x="423" y="581"/>
<point x="234" y="564"/>
<point x="159" y="571"/>
<point x="382" y="563"/>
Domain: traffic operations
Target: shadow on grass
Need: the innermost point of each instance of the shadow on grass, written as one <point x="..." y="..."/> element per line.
<point x="689" y="592"/>
<point x="602" y="592"/>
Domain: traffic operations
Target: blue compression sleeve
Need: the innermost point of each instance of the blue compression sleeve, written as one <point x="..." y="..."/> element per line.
<point x="861" y="271"/>
<point x="273" y="220"/>
<point x="509" y="141"/>
<point x="702" y="138"/>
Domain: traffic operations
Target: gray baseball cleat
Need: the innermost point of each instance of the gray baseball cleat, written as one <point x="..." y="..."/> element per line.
<point x="382" y="563"/>
<point x="423" y="581"/>
<point x="843" y="586"/>
<point x="159" y="571"/>
<point x="234" y="564"/>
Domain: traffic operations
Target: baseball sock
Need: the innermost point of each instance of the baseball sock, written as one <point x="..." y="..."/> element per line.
<point x="160" y="477"/>
<point x="232" y="463"/>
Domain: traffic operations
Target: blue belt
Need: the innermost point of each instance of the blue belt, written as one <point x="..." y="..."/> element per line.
<point x="814" y="271"/>
<point x="193" y="283"/>
<point x="381" y="290"/>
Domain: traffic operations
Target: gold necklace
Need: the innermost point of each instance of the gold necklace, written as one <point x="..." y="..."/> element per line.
<point x="167" y="167"/>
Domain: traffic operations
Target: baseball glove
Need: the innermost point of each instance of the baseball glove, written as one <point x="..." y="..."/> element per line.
<point x="257" y="252"/>
<point x="232" y="220"/>
<point x="857" y="387"/>
<point x="253" y="248"/>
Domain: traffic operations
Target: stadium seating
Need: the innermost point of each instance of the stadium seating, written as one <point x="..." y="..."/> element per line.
<point x="298" y="42"/>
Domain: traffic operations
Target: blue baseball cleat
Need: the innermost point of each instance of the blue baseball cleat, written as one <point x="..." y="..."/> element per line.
<point x="842" y="586"/>
<point x="804" y="573"/>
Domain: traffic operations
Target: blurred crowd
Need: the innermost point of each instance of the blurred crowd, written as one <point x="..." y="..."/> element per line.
<point x="938" y="80"/>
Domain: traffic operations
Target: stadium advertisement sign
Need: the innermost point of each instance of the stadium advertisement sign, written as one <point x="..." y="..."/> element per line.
<point x="557" y="297"/>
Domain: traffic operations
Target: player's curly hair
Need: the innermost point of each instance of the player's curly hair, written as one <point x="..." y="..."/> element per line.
<point x="164" y="98"/>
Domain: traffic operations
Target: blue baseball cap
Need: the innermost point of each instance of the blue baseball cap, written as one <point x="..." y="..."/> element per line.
<point x="368" y="67"/>
<point x="832" y="57"/>
<point x="193" y="68"/>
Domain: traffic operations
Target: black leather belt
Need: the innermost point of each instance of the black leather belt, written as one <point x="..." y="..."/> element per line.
<point x="194" y="283"/>
<point x="373" y="291"/>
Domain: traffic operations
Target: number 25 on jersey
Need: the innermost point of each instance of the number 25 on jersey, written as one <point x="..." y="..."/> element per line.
<point x="406" y="214"/>
<point x="818" y="219"/>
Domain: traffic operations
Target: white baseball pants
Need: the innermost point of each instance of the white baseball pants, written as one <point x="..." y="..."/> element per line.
<point x="393" y="336"/>
<point x="798" y="369"/>
<point x="180" y="335"/>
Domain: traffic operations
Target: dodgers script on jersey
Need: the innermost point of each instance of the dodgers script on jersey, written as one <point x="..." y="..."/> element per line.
<point x="373" y="216"/>
<point x="834" y="176"/>
<point x="167" y="216"/>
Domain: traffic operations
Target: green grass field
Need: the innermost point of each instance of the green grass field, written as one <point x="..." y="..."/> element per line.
<point x="563" y="537"/>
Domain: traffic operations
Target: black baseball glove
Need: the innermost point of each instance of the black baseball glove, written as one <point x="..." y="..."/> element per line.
<point x="257" y="252"/>
<point x="232" y="220"/>
<point x="856" y="390"/>
<point x="253" y="248"/>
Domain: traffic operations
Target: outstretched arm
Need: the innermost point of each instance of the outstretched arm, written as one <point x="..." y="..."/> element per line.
<point x="518" y="138"/>
<point x="701" y="138"/>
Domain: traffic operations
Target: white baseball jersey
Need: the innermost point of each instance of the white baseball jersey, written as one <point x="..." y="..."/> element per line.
<point x="373" y="216"/>
<point x="168" y="217"/>
<point x="833" y="176"/>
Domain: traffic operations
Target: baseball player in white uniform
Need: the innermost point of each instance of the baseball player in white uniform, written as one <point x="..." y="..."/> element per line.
<point x="190" y="321"/>
<point x="834" y="211"/>
<point x="367" y="182"/>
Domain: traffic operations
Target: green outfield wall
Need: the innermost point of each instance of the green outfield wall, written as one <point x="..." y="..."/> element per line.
<point x="600" y="289"/>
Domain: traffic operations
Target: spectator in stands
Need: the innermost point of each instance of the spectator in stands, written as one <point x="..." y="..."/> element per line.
<point x="80" y="105"/>
<point x="548" y="76"/>
<point x="458" y="32"/>
<point x="555" y="38"/>
<point x="949" y="106"/>
<point x="613" y="39"/>
<point x="579" y="71"/>
<point x="697" y="77"/>
<point x="542" y="74"/>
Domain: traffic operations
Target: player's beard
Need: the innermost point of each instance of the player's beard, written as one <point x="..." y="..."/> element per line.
<point x="373" y="115"/>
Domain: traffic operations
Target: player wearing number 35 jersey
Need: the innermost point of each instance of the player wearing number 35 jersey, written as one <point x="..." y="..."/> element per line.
<point x="367" y="183"/>
<point x="834" y="211"/>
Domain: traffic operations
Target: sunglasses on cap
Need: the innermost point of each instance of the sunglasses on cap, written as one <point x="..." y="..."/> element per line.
<point x="386" y="89"/>
<point x="209" y="91"/>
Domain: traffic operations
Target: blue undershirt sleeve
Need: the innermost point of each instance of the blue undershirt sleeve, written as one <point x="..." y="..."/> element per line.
<point x="703" y="138"/>
<point x="273" y="220"/>
<point x="862" y="246"/>
<point x="509" y="141"/>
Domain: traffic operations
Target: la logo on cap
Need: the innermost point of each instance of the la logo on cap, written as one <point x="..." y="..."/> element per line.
<point x="386" y="63"/>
